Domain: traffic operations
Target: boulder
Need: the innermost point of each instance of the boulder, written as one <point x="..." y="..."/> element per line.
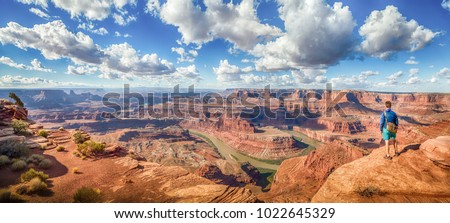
<point x="6" y="131"/>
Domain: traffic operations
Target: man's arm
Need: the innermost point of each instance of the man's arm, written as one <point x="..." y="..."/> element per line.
<point x="396" y="120"/>
<point x="382" y="122"/>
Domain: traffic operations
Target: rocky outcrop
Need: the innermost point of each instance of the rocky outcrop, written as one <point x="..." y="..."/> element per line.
<point x="346" y="127"/>
<point x="10" y="111"/>
<point x="158" y="183"/>
<point x="213" y="172"/>
<point x="335" y="125"/>
<point x="411" y="177"/>
<point x="235" y="125"/>
<point x="438" y="150"/>
<point x="319" y="135"/>
<point x="229" y="173"/>
<point x="298" y="179"/>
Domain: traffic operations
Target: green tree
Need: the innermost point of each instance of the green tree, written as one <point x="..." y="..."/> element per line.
<point x="16" y="98"/>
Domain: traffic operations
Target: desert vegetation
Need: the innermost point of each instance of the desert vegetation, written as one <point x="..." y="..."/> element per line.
<point x="14" y="149"/>
<point x="40" y="161"/>
<point x="75" y="170"/>
<point x="79" y="137"/>
<point x="32" y="182"/>
<point x="43" y="133"/>
<point x="17" y="100"/>
<point x="4" y="161"/>
<point x="87" y="195"/>
<point x="18" y="165"/>
<point x="60" y="148"/>
<point x="20" y="127"/>
<point x="7" y="196"/>
<point x="90" y="148"/>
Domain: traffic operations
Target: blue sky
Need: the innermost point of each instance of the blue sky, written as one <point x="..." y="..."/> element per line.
<point x="381" y="45"/>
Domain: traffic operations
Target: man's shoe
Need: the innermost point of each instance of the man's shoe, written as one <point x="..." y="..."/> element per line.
<point x="388" y="157"/>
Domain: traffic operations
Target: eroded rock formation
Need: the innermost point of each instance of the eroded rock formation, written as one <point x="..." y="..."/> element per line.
<point x="411" y="177"/>
<point x="298" y="179"/>
<point x="243" y="136"/>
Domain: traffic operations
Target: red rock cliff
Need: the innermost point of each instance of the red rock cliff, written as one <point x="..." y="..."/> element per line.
<point x="298" y="179"/>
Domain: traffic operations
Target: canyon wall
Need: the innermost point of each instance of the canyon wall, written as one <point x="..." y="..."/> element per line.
<point x="298" y="179"/>
<point x="243" y="136"/>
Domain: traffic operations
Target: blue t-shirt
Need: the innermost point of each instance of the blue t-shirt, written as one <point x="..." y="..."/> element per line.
<point x="391" y="117"/>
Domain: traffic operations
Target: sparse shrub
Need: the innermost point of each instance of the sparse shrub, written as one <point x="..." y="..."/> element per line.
<point x="16" y="98"/>
<point x="42" y="147"/>
<point x="79" y="138"/>
<point x="32" y="173"/>
<point x="370" y="191"/>
<point x="45" y="164"/>
<point x="43" y="133"/>
<point x="35" y="158"/>
<point x="18" y="165"/>
<point x="22" y="189"/>
<point x="90" y="148"/>
<point x="13" y="149"/>
<point x="20" y="127"/>
<point x="76" y="153"/>
<point x="61" y="128"/>
<point x="34" y="186"/>
<point x="87" y="195"/>
<point x="4" y="160"/>
<point x="60" y="148"/>
<point x="6" y="196"/>
<point x="75" y="170"/>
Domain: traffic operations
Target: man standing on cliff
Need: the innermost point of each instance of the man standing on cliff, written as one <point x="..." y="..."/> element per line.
<point x="388" y="128"/>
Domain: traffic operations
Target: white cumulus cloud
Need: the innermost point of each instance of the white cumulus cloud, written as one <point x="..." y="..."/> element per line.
<point x="317" y="35"/>
<point x="54" y="41"/>
<point x="187" y="73"/>
<point x="124" y="59"/>
<point x="91" y="28"/>
<point x="36" y="65"/>
<point x="413" y="72"/>
<point x="227" y="72"/>
<point x="413" y="80"/>
<point x="41" y="3"/>
<point x="309" y="76"/>
<point x="412" y="61"/>
<point x="444" y="72"/>
<point x="39" y="13"/>
<point x="123" y="18"/>
<point x="91" y="9"/>
<point x="369" y="73"/>
<point x="236" y="23"/>
<point x="446" y="4"/>
<point x="185" y="55"/>
<point x="386" y="32"/>
<point x="81" y="70"/>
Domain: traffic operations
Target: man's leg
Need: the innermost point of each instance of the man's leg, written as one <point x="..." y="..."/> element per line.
<point x="387" y="147"/>
<point x="395" y="146"/>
